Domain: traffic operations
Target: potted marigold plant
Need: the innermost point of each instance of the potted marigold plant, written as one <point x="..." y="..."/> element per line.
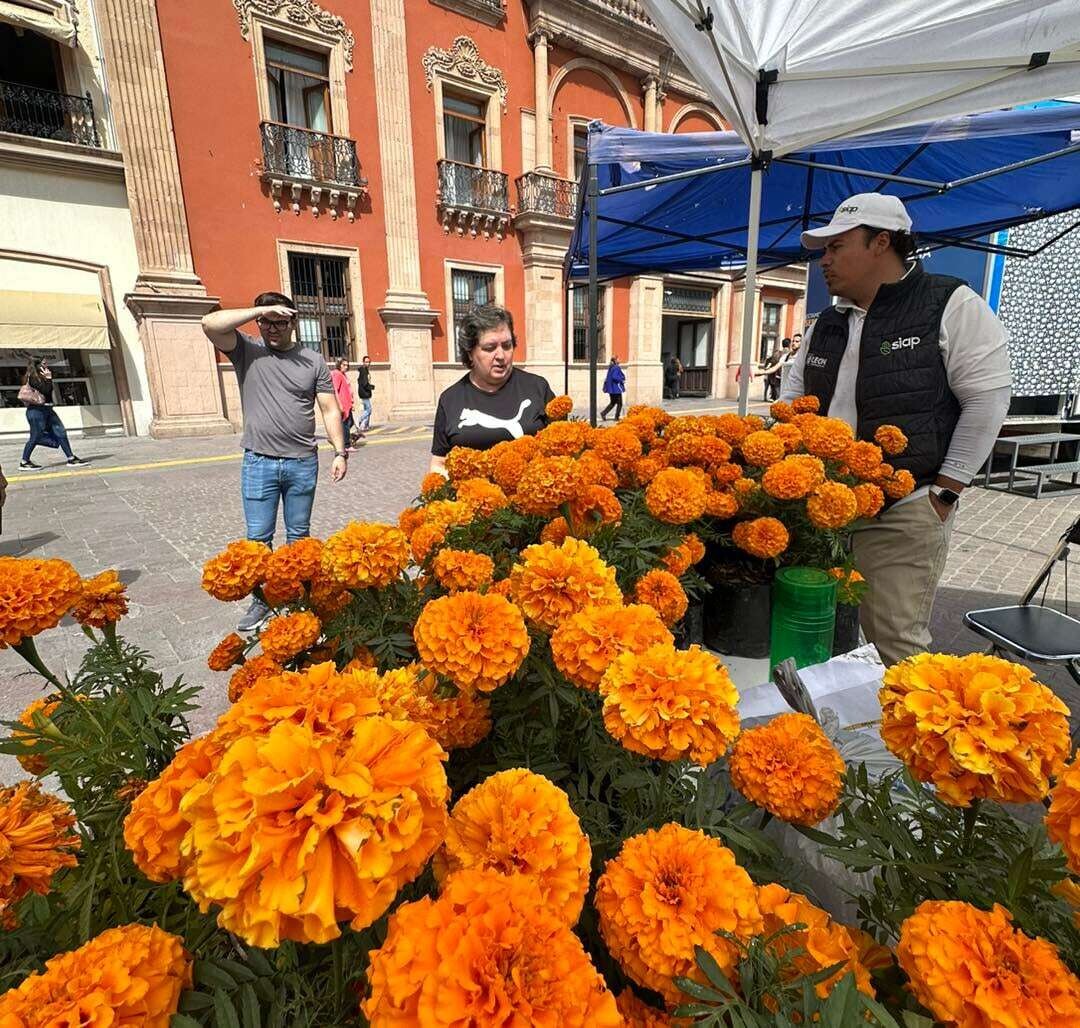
<point x="850" y="589"/>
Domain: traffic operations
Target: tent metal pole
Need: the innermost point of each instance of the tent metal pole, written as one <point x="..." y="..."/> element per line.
<point x="677" y="176"/>
<point x="594" y="342"/>
<point x="749" y="304"/>
<point x="566" y="331"/>
<point x="863" y="173"/>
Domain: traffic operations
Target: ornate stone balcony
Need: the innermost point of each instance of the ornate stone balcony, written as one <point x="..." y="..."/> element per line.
<point x="491" y="12"/>
<point x="46" y="114"/>
<point x="299" y="164"/>
<point x="541" y="193"/>
<point x="473" y="199"/>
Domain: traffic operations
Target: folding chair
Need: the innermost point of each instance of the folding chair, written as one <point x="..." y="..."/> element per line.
<point x="1032" y="631"/>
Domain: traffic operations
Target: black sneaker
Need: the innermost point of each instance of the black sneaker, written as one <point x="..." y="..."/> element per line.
<point x="256" y="614"/>
<point x="29" y="465"/>
<point x="77" y="462"/>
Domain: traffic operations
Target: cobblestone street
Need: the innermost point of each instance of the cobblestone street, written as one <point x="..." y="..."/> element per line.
<point x="155" y="510"/>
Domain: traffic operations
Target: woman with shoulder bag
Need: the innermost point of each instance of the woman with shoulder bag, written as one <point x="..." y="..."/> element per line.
<point x="46" y="428"/>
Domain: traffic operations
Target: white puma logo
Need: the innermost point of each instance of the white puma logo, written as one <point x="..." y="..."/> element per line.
<point x="471" y="418"/>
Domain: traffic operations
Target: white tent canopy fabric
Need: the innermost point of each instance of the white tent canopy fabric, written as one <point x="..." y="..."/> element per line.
<point x="836" y="68"/>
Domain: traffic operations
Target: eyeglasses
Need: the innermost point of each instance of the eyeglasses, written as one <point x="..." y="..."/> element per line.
<point x="272" y="326"/>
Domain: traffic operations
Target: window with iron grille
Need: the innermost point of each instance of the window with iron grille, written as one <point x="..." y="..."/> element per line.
<point x="470" y="289"/>
<point x="688" y="301"/>
<point x="320" y="289"/>
<point x="580" y="324"/>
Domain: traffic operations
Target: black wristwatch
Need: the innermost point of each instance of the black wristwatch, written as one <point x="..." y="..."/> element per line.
<point x="341" y="453"/>
<point x="946" y="496"/>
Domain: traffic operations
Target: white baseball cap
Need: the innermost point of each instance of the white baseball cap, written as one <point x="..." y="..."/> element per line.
<point x="875" y="210"/>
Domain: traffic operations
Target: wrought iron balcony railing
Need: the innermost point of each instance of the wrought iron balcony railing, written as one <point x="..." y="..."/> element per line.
<point x="295" y="152"/>
<point x="541" y="193"/>
<point x="47" y="114"/>
<point x="473" y="198"/>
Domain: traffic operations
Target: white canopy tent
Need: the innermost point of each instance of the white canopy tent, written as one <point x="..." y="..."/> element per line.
<point x="791" y="73"/>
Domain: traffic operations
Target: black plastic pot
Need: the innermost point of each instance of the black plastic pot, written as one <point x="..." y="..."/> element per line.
<point x="736" y="618"/>
<point x="846" y="633"/>
<point x="690" y="631"/>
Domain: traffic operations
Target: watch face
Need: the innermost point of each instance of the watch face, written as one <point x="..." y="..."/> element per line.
<point x="948" y="496"/>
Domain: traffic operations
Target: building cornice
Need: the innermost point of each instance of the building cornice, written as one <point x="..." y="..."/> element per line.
<point x="59" y="157"/>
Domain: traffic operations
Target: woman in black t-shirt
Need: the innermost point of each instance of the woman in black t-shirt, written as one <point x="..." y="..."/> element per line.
<point x="495" y="401"/>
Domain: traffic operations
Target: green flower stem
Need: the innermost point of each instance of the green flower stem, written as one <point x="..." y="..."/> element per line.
<point x="109" y="631"/>
<point x="971" y="816"/>
<point x="28" y="651"/>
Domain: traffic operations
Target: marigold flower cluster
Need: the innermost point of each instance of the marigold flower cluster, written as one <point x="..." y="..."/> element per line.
<point x="618" y="446"/>
<point x="637" y="1013"/>
<point x="432" y="483"/>
<point x="662" y="591"/>
<point x="364" y="555"/>
<point x="551" y="581"/>
<point x="677" y="496"/>
<point x="891" y="439"/>
<point x="477" y="641"/>
<point x="102" y="601"/>
<point x="457" y="570"/>
<point x="37" y="839"/>
<point x="721" y="505"/>
<point x="666" y="892"/>
<point x="1063" y="817"/>
<point x="481" y="497"/>
<point x="899" y="484"/>
<point x="546" y="483"/>
<point x="228" y="653"/>
<point x="563" y="438"/>
<point x="233" y="573"/>
<point x="974" y="727"/>
<point x="132" y="975"/>
<point x="518" y="822"/>
<point x="789" y="767"/>
<point x="559" y="408"/>
<point x="788" y="479"/>
<point x="761" y="537"/>
<point x="289" y="635"/>
<point x="40" y="709"/>
<point x="832" y="505"/>
<point x="763" y="448"/>
<point x="35" y="594"/>
<point x="289" y="568"/>
<point x="869" y="499"/>
<point x="486" y="952"/>
<point x="463" y="462"/>
<point x="594" y="506"/>
<point x="828" y="438"/>
<point x="806" y="405"/>
<point x="669" y="704"/>
<point x="972" y="967"/>
<point x="245" y="676"/>
<point x="585" y="644"/>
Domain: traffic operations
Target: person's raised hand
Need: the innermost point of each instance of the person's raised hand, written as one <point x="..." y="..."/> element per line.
<point x="276" y="310"/>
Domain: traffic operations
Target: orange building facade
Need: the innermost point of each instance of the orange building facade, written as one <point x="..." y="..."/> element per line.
<point x="388" y="163"/>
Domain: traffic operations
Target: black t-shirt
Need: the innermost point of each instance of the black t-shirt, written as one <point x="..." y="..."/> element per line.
<point x="467" y="416"/>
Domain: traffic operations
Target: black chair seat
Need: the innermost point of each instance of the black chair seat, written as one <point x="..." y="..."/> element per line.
<point x="1035" y="633"/>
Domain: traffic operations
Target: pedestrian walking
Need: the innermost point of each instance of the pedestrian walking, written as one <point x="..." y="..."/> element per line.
<point x="364" y="388"/>
<point x="922" y="352"/>
<point x="614" y="387"/>
<point x="280" y="383"/>
<point x="46" y="428"/>
<point x="772" y="369"/>
<point x="344" y="393"/>
<point x="672" y="371"/>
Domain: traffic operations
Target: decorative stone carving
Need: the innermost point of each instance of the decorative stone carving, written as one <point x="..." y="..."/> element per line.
<point x="491" y="12"/>
<point x="464" y="61"/>
<point x="298" y="12"/>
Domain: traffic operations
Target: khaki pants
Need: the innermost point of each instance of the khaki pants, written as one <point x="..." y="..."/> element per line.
<point x="901" y="555"/>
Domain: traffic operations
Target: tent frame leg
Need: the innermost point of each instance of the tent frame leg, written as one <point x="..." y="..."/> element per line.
<point x="594" y="298"/>
<point x="749" y="287"/>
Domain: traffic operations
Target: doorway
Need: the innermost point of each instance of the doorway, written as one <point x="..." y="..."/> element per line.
<point x="687" y="333"/>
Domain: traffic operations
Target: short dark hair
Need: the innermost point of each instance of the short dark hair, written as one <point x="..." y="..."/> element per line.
<point x="274" y="300"/>
<point x="903" y="244"/>
<point x="478" y="321"/>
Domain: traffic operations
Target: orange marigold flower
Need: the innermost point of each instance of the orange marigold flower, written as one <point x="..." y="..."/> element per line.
<point x="665" y="893"/>
<point x="662" y="591"/>
<point x="481" y="497"/>
<point x="555" y="531"/>
<point x="424" y="541"/>
<point x="782" y="411"/>
<point x="362" y="657"/>
<point x="432" y="483"/>
<point x="677" y="560"/>
<point x="869" y="499"/>
<point x="789" y="434"/>
<point x="884" y="472"/>
<point x="726" y="474"/>
<point x="788" y="767"/>
<point x="518" y="822"/>
<point x="863" y="459"/>
<point x="488" y="951"/>
<point x="700" y="450"/>
<point x="463" y="462"/>
<point x="585" y="644"/>
<point x="559" y="408"/>
<point x="676" y="496"/>
<point x="788" y="479"/>
<point x="1063" y="817"/>
<point x="695" y="546"/>
<point x="891" y="439"/>
<point x="806" y="405"/>
<point x="292" y="566"/>
<point x="33" y="763"/>
<point x="815" y="466"/>
<point x="722" y="505"/>
<point x="753" y="422"/>
<point x="552" y="582"/>
<point x="500" y="588"/>
<point x="245" y="676"/>
<point x="155" y="826"/>
<point x="974" y="726"/>
<point x="563" y="438"/>
<point x="761" y="537"/>
<point x="669" y="704"/>
<point x="286" y="636"/>
<point x="832" y="505"/>
<point x="594" y="506"/>
<point x="645" y="469"/>
<point x="132" y="975"/>
<point x="410" y="519"/>
<point x="638" y="1014"/>
<point x="823" y="942"/>
<point x="37" y="839"/>
<point x="477" y="641"/>
<point x="327" y="596"/>
<point x="355" y="816"/>
<point x="744" y="490"/>
<point x="234" y="572"/>
<point x="228" y="653"/>
<point x="828" y="438"/>
<point x="617" y="445"/>
<point x="445" y="514"/>
<point x="547" y="483"/>
<point x="972" y="967"/>
<point x="508" y="469"/>
<point x="34" y="595"/>
<point x="642" y="426"/>
<point x="595" y="470"/>
<point x="364" y="555"/>
<point x="102" y="601"/>
<point x="899" y="485"/>
<point x="731" y="428"/>
<point x="462" y="569"/>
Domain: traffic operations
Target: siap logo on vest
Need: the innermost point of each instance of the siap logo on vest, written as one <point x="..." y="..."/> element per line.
<point x="903" y="343"/>
<point x="817" y="360"/>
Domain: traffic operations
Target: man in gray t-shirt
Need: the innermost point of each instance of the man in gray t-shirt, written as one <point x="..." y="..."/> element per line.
<point x="280" y="383"/>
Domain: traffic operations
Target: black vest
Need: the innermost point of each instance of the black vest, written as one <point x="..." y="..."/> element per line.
<point x="901" y="377"/>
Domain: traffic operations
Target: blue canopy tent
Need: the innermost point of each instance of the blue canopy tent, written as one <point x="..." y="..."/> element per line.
<point x="655" y="203"/>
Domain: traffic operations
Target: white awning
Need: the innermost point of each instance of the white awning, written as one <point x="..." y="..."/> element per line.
<point x="52" y="321"/>
<point x="52" y="18"/>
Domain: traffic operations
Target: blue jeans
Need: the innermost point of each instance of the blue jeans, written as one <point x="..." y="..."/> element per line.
<point x="47" y="429"/>
<point x="365" y="418"/>
<point x="266" y="480"/>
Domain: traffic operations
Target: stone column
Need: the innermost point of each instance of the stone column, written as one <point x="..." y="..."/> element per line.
<point x="649" y="86"/>
<point x="406" y="312"/>
<point x="644" y="370"/>
<point x="168" y="298"/>
<point x="539" y="41"/>
<point x="544" y="240"/>
<point x="735" y="339"/>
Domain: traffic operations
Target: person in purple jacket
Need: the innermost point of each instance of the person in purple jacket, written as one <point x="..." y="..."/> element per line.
<point x="614" y="386"/>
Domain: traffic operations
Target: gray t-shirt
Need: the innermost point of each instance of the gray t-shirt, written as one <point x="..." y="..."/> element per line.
<point x="277" y="391"/>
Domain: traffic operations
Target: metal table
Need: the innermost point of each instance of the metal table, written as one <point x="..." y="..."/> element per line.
<point x="1017" y="442"/>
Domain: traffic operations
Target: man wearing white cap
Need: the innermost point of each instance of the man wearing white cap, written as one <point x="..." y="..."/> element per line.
<point x="922" y="352"/>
